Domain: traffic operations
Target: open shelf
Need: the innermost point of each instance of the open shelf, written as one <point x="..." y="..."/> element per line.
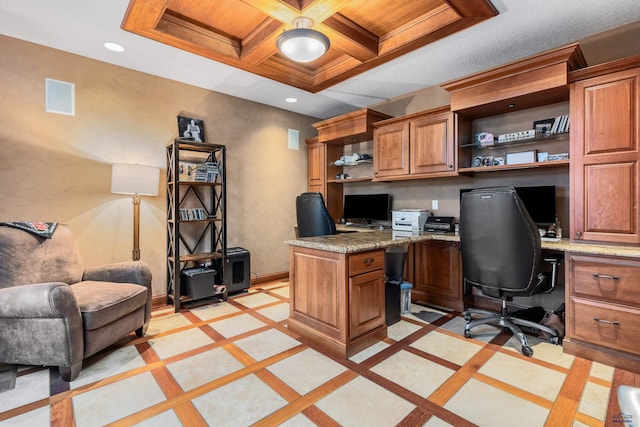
<point x="346" y="180"/>
<point x="551" y="164"/>
<point x="535" y="140"/>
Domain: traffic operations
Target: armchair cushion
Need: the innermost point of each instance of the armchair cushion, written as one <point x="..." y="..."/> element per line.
<point x="104" y="302"/>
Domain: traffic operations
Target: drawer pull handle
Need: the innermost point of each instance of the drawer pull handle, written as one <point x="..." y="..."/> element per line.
<point x="608" y="322"/>
<point x="605" y="276"/>
<point x="368" y="261"/>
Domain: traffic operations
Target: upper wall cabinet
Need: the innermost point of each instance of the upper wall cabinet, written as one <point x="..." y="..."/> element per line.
<point x="349" y="128"/>
<point x="538" y="81"/>
<point x="605" y="158"/>
<point x="420" y="145"/>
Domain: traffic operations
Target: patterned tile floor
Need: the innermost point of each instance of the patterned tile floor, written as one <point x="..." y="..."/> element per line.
<point x="236" y="364"/>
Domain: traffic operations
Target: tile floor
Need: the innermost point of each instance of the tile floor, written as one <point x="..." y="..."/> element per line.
<point x="236" y="364"/>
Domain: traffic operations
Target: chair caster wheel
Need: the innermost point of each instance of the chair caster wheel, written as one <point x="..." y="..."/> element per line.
<point x="467" y="317"/>
<point x="467" y="334"/>
<point x="527" y="351"/>
<point x="555" y="340"/>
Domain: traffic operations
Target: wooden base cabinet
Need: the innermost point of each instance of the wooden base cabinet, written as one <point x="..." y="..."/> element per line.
<point x="337" y="300"/>
<point x="438" y="275"/>
<point x="603" y="310"/>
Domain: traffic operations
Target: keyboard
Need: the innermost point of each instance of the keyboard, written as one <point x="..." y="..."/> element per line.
<point x="360" y="225"/>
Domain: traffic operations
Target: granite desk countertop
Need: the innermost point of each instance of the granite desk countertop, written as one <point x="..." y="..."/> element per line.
<point x="366" y="240"/>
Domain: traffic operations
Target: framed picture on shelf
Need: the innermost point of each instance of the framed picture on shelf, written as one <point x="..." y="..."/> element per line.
<point x="476" y="162"/>
<point x="543" y="127"/>
<point x="487" y="161"/>
<point x="191" y="129"/>
<point x="498" y="161"/>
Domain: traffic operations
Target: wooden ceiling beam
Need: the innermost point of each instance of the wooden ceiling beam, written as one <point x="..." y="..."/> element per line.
<point x="183" y="29"/>
<point x="422" y="26"/>
<point x="260" y="45"/>
<point x="349" y="37"/>
<point x="143" y="15"/>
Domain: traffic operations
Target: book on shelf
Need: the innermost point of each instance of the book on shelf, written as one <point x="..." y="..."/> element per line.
<point x="191" y="214"/>
<point x="561" y="124"/>
<point x="198" y="172"/>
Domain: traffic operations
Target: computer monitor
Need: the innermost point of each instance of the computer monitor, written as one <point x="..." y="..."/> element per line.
<point x="540" y="202"/>
<point x="367" y="207"/>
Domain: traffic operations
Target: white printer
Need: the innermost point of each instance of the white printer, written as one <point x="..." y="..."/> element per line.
<point x="409" y="220"/>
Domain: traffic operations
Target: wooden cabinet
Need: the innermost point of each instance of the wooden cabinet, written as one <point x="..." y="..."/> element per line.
<point x="605" y="157"/>
<point x="438" y="274"/>
<point x="333" y="135"/>
<point x="366" y="292"/>
<point x="316" y="165"/>
<point x="603" y="309"/>
<point x="337" y="300"/>
<point x="420" y="145"/>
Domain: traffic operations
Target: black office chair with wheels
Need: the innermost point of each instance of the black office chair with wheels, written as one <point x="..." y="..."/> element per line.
<point x="313" y="217"/>
<point x="501" y="256"/>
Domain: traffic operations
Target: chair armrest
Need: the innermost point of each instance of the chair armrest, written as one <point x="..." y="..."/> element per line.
<point x="123" y="272"/>
<point x="40" y="300"/>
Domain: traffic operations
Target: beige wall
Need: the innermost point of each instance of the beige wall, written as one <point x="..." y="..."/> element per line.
<point x="58" y="168"/>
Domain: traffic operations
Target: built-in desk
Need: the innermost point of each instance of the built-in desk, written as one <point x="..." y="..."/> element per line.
<point x="337" y="284"/>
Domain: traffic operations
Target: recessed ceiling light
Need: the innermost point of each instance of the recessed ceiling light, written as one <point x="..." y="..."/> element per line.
<point x="115" y="47"/>
<point x="291" y="100"/>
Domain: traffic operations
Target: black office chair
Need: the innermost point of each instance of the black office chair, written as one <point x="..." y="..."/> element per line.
<point x="501" y="256"/>
<point x="313" y="217"/>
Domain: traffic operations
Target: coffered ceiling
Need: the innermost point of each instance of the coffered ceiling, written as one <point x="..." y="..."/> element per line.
<point x="606" y="30"/>
<point x="363" y="33"/>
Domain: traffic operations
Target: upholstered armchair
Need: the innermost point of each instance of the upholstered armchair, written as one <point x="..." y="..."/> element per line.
<point x="54" y="312"/>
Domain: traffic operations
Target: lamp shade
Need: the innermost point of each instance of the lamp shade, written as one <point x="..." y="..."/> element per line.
<point x="303" y="44"/>
<point x="134" y="179"/>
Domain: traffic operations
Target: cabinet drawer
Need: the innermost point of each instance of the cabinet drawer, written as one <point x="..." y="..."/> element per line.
<point x="618" y="327"/>
<point x="365" y="262"/>
<point x="613" y="279"/>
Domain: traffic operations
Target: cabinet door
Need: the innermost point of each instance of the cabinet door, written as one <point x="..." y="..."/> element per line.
<point x="604" y="163"/>
<point x="432" y="144"/>
<point x="438" y="276"/>
<point x="366" y="302"/>
<point x="391" y="150"/>
<point x="317" y="164"/>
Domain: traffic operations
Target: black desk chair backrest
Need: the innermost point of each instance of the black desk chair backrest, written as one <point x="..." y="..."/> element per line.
<point x="312" y="216"/>
<point x="501" y="256"/>
<point x="500" y="243"/>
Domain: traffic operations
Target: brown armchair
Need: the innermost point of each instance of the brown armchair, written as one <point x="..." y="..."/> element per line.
<point x="54" y="312"/>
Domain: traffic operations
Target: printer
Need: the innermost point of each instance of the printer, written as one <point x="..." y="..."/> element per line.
<point x="409" y="220"/>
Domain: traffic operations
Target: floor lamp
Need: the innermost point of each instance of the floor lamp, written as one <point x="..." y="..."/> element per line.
<point x="138" y="180"/>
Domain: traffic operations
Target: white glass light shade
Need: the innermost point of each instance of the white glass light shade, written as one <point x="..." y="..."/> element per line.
<point x="303" y="44"/>
<point x="134" y="179"/>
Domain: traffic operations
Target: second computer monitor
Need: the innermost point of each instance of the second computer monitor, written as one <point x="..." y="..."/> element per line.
<point x="367" y="207"/>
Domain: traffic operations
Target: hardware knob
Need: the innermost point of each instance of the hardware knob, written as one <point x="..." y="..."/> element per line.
<point x="579" y="233"/>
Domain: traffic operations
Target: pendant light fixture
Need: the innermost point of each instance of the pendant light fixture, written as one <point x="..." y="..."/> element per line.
<point x="302" y="44"/>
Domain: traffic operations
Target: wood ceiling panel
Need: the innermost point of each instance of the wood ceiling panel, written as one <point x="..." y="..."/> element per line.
<point x="242" y="33"/>
<point x="381" y="17"/>
<point x="232" y="17"/>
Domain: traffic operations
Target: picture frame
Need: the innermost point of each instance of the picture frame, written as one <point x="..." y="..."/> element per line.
<point x="487" y="161"/>
<point x="476" y="162"/>
<point x="498" y="161"/>
<point x="543" y="127"/>
<point x="191" y="129"/>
